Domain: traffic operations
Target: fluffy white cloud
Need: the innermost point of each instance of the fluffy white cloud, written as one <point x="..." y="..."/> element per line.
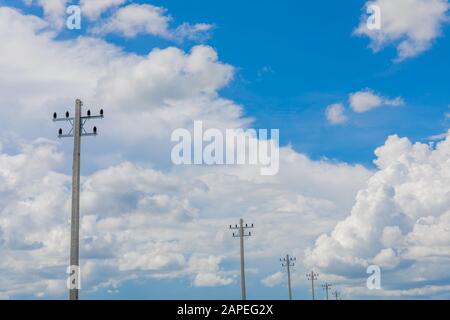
<point x="135" y="19"/>
<point x="366" y="100"/>
<point x="170" y="88"/>
<point x="410" y="25"/>
<point x="335" y="113"/>
<point x="54" y="10"/>
<point x="139" y="222"/>
<point x="207" y="269"/>
<point x="142" y="217"/>
<point x="273" y="280"/>
<point x="93" y="9"/>
<point x="400" y="221"/>
<point x="30" y="196"/>
<point x="438" y="137"/>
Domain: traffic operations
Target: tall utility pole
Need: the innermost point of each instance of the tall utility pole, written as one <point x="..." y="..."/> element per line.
<point x="337" y="295"/>
<point x="326" y="286"/>
<point x="312" y="277"/>
<point x="241" y="227"/>
<point x="288" y="262"/>
<point x="77" y="131"/>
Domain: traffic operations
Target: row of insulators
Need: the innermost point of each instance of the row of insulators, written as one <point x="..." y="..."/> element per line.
<point x="246" y="226"/>
<point x="94" y="130"/>
<point x="55" y="115"/>
<point x="290" y="259"/>
<point x="237" y="235"/>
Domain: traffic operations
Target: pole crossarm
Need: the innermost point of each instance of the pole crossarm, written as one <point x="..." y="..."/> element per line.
<point x="83" y="120"/>
<point x="312" y="276"/>
<point x="288" y="261"/>
<point x="244" y="227"/>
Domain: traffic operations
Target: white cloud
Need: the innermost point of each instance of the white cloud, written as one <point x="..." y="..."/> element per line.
<point x="273" y="280"/>
<point x="366" y="100"/>
<point x="335" y="114"/>
<point x="93" y="9"/>
<point x="208" y="272"/>
<point x="142" y="217"/>
<point x="400" y="221"/>
<point x="438" y="137"/>
<point x="199" y="31"/>
<point x="54" y="10"/>
<point x="410" y="25"/>
<point x="210" y="280"/>
<point x="139" y="222"/>
<point x="135" y="19"/>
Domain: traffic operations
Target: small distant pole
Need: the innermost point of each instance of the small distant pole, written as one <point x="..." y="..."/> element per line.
<point x="288" y="262"/>
<point x="312" y="277"/>
<point x="337" y="295"/>
<point x="76" y="132"/>
<point x="326" y="286"/>
<point x="241" y="227"/>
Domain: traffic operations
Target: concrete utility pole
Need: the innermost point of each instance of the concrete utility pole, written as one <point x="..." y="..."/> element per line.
<point x="337" y="295"/>
<point x="312" y="277"/>
<point x="77" y="131"/>
<point x="326" y="286"/>
<point x="242" y="235"/>
<point x="288" y="262"/>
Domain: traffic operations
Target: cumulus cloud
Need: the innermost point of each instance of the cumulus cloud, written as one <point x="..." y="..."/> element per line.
<point x="139" y="222"/>
<point x="170" y="88"/>
<point x="207" y="272"/>
<point x="134" y="19"/>
<point x="141" y="217"/>
<point x="409" y="25"/>
<point x="438" y="137"/>
<point x="400" y="221"/>
<point x="335" y="114"/>
<point x="366" y="100"/>
<point x="273" y="280"/>
<point x="93" y="9"/>
<point x="144" y="218"/>
<point x="54" y="10"/>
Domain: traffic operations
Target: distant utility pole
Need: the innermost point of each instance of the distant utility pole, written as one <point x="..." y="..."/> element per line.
<point x="337" y="295"/>
<point x="241" y="227"/>
<point x="326" y="286"/>
<point x="312" y="277"/>
<point x="77" y="131"/>
<point x="288" y="262"/>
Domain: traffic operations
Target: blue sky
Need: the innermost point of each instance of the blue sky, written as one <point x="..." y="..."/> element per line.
<point x="312" y="60"/>
<point x="293" y="59"/>
<point x="290" y="61"/>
